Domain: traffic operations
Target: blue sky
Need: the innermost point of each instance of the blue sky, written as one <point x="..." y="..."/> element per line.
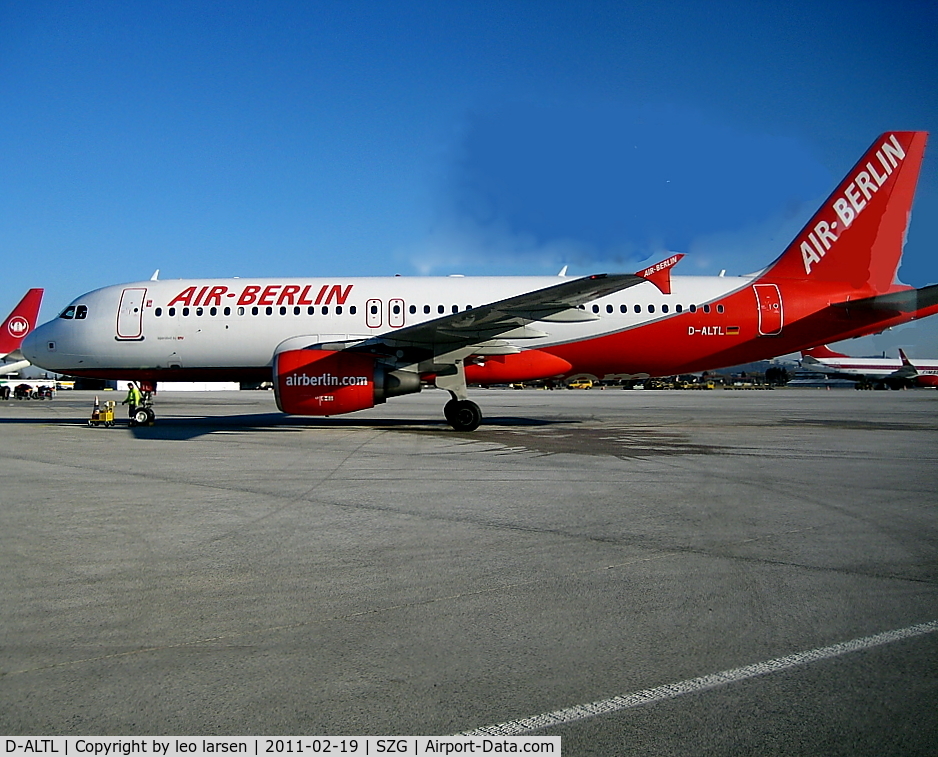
<point x="341" y="138"/>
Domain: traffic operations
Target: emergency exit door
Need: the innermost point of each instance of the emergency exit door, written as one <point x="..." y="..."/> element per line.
<point x="769" y="303"/>
<point x="130" y="314"/>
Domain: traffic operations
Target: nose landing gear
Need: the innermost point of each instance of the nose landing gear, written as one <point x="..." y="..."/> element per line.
<point x="144" y="414"/>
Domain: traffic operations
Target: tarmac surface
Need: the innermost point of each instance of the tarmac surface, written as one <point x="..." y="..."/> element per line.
<point x="231" y="570"/>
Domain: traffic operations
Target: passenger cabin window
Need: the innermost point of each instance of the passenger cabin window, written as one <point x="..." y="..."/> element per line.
<point x="158" y="312"/>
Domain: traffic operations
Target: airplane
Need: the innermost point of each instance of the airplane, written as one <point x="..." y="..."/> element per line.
<point x="338" y="345"/>
<point x="879" y="371"/>
<point x="15" y="328"/>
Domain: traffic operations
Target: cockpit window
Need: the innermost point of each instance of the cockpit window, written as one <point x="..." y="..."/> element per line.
<point x="68" y="313"/>
<point x="81" y="312"/>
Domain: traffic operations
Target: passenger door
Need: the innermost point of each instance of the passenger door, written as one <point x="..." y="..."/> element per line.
<point x="130" y="314"/>
<point x="769" y="303"/>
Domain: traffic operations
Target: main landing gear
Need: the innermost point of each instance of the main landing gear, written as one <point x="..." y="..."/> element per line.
<point x="462" y="415"/>
<point x="460" y="412"/>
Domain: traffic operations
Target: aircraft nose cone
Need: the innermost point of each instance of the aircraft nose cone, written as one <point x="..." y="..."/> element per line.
<point x="34" y="346"/>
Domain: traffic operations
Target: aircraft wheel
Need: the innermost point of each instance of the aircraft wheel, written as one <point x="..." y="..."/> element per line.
<point x="449" y="409"/>
<point x="151" y="416"/>
<point x="140" y="417"/>
<point x="464" y="416"/>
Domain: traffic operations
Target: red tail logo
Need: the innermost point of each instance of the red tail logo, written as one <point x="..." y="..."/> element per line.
<point x="20" y="322"/>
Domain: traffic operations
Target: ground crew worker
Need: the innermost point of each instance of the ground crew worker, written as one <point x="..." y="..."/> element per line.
<point x="134" y="399"/>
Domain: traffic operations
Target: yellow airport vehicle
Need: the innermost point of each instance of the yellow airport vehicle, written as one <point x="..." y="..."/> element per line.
<point x="102" y="415"/>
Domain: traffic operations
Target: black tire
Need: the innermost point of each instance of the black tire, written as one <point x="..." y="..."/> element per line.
<point x="140" y="417"/>
<point x="448" y="409"/>
<point x="464" y="416"/>
<point x="151" y="416"/>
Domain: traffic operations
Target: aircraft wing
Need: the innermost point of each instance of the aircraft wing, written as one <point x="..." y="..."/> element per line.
<point x="18" y="365"/>
<point x="509" y="318"/>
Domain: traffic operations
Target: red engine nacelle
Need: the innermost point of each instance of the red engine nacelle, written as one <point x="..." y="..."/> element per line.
<point x="325" y="382"/>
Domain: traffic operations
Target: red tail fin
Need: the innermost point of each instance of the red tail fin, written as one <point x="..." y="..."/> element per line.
<point x="20" y="322"/>
<point x="822" y="351"/>
<point x="858" y="234"/>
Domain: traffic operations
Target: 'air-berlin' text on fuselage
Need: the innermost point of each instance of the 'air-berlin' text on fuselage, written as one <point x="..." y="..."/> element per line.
<point x="272" y="294"/>
<point x="851" y="203"/>
<point x="326" y="379"/>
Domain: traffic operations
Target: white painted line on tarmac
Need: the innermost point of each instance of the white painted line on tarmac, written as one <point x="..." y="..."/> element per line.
<point x="695" y="685"/>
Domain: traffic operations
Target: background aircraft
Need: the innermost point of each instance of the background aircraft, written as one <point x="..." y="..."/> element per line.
<point x="876" y="371"/>
<point x="15" y="328"/>
<point x="340" y="345"/>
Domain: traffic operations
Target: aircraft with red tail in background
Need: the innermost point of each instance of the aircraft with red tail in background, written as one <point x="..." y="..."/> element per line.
<point x="340" y="345"/>
<point x="881" y="372"/>
<point x="15" y="328"/>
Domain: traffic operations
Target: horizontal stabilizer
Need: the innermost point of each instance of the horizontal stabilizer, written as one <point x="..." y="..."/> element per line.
<point x="908" y="301"/>
<point x="823" y="351"/>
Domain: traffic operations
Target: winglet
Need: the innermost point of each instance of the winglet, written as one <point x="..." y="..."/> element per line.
<point x="660" y="273"/>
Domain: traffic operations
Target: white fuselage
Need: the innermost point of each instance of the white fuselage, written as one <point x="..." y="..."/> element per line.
<point x="870" y="367"/>
<point x="241" y="323"/>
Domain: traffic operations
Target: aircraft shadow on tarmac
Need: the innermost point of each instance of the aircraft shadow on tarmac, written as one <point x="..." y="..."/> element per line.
<point x="188" y="428"/>
<point x="176" y="429"/>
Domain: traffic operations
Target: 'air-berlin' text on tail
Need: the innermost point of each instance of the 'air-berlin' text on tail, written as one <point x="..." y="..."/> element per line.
<point x="858" y="234"/>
